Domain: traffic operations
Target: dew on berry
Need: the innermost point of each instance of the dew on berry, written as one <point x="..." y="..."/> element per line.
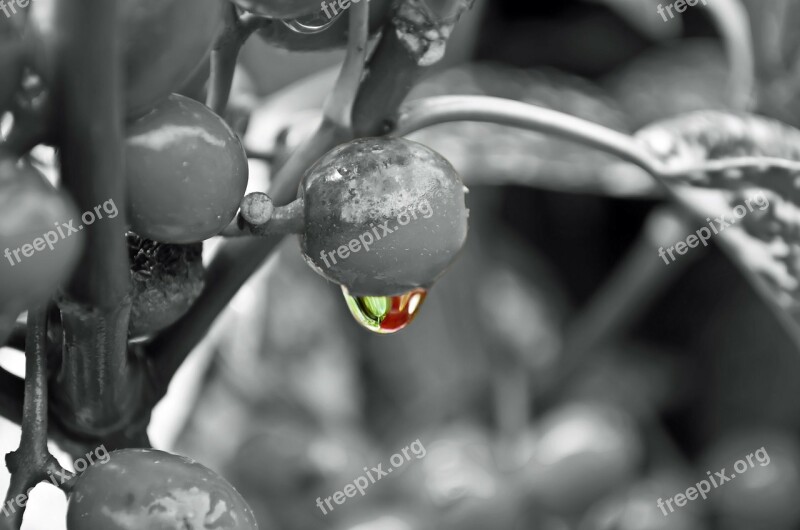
<point x="385" y="314"/>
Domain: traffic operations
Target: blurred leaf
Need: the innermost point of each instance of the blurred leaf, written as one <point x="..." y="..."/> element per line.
<point x="680" y="77"/>
<point x="765" y="241"/>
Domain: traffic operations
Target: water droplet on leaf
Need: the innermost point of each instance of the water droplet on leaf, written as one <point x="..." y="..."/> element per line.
<point x="385" y="314"/>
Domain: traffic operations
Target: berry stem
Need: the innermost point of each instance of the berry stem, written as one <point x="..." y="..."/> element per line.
<point x="339" y="106"/>
<point x="284" y="220"/>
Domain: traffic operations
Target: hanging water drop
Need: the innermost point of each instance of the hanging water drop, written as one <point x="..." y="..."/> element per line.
<point x="385" y="314"/>
<point x="310" y="24"/>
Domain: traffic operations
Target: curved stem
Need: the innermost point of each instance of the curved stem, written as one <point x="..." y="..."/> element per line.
<point x="227" y="46"/>
<point x="442" y="109"/>
<point x="339" y="107"/>
<point x="733" y="23"/>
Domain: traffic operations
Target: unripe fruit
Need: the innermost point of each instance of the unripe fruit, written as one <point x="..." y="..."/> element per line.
<point x="383" y="216"/>
<point x="137" y="489"/>
<point x="186" y="172"/>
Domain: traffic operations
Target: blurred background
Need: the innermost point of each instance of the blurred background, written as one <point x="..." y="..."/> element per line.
<point x="560" y="376"/>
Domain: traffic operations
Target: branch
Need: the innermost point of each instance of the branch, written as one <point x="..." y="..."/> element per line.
<point x="415" y="38"/>
<point x="227" y="46"/>
<point x="30" y="463"/>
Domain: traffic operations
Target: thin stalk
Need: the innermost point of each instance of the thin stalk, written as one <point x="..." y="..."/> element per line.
<point x="30" y="463"/>
<point x="336" y="126"/>
<point x="231" y="267"/>
<point x="234" y="33"/>
<point x="284" y="220"/>
<point x="338" y="108"/>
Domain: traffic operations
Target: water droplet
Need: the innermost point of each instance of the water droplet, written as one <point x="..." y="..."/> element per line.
<point x="385" y="314"/>
<point x="310" y="24"/>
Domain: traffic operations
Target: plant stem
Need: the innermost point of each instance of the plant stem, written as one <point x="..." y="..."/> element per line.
<point x="336" y="125"/>
<point x="31" y="461"/>
<point x="227" y="46"/>
<point x="443" y="109"/>
<point x="233" y="264"/>
<point x="391" y="74"/>
<point x="339" y="106"/>
<point x="93" y="385"/>
<point x="285" y="220"/>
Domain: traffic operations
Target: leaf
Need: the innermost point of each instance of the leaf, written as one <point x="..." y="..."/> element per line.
<point x="643" y="15"/>
<point x="752" y="178"/>
<point x="673" y="79"/>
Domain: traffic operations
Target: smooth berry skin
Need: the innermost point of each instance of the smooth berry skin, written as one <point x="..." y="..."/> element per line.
<point x="186" y="172"/>
<point x="364" y="187"/>
<point x="281" y="9"/>
<point x="31" y="209"/>
<point x="137" y="489"/>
